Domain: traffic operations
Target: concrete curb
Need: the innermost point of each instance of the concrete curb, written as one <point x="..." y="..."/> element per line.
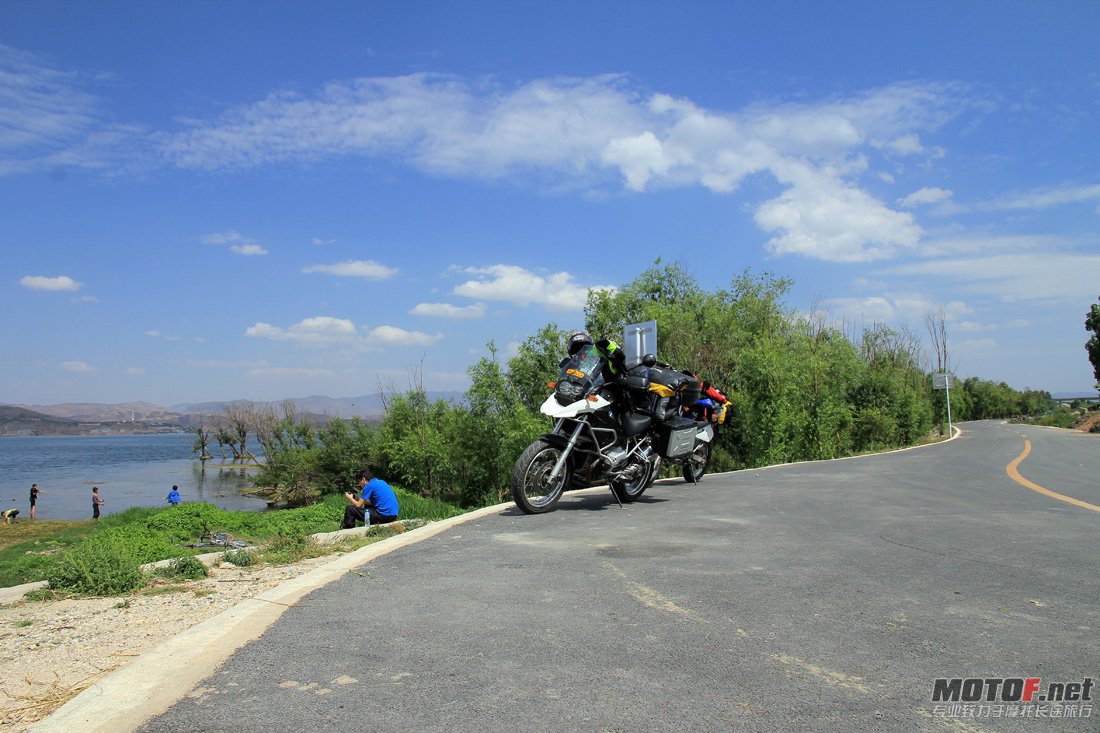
<point x="16" y="592"/>
<point x="153" y="682"/>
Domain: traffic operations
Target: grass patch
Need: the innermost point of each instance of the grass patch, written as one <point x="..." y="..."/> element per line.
<point x="286" y="549"/>
<point x="1063" y="417"/>
<point x="96" y="569"/>
<point x="24" y="623"/>
<point x="69" y="551"/>
<point x="240" y="558"/>
<point x="188" y="567"/>
<point x="160" y="590"/>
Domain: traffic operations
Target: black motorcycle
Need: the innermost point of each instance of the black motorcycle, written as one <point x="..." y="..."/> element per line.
<point x="613" y="430"/>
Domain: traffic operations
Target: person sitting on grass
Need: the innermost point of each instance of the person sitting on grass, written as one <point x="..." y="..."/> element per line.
<point x="376" y="503"/>
<point x="174" y="496"/>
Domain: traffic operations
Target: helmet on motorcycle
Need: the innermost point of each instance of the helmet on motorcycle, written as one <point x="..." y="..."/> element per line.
<point x="577" y="341"/>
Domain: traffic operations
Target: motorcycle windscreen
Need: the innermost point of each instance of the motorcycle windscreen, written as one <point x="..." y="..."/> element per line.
<point x="579" y="374"/>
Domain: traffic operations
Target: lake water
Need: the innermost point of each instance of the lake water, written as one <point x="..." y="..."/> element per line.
<point x="130" y="470"/>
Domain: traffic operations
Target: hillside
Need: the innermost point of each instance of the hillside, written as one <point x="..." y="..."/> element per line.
<point x="84" y="418"/>
<point x="15" y="420"/>
<point x="21" y="421"/>
<point x="99" y="412"/>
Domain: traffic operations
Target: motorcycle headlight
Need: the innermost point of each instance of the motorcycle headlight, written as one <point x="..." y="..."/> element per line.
<point x="569" y="392"/>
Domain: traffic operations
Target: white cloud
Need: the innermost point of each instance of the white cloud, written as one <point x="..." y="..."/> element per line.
<point x="446" y="310"/>
<point x="59" y="283"/>
<point x="872" y="309"/>
<point x="153" y="333"/>
<point x="48" y="120"/>
<point x="76" y="367"/>
<point x="317" y="330"/>
<point x="85" y="299"/>
<point x="318" y="242"/>
<point x="135" y="371"/>
<point x="247" y="249"/>
<point x="354" y="268"/>
<point x="821" y="217"/>
<point x="896" y="308"/>
<point x="971" y="326"/>
<point x="291" y="372"/>
<point x="584" y="133"/>
<point x="326" y="331"/>
<point x="975" y="345"/>
<point x="997" y="244"/>
<point x="907" y="144"/>
<point x="1026" y="277"/>
<point x="230" y="237"/>
<point x="218" y="364"/>
<point x="1045" y="198"/>
<point x="577" y="131"/>
<point x="522" y="287"/>
<point x="639" y="158"/>
<point x="238" y="243"/>
<point x="393" y="336"/>
<point x="925" y="196"/>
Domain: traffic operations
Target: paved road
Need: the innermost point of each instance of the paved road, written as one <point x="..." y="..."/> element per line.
<point x="823" y="596"/>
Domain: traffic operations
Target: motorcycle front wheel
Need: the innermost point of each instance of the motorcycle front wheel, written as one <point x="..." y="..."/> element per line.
<point x="697" y="464"/>
<point x="532" y="489"/>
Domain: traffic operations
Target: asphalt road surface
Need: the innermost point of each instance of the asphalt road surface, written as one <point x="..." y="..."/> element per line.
<point x="821" y="596"/>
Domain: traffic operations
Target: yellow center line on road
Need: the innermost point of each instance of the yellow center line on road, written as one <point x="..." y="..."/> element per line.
<point x="1013" y="473"/>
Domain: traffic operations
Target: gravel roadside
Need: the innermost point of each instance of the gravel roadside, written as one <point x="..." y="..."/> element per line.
<point x="52" y="650"/>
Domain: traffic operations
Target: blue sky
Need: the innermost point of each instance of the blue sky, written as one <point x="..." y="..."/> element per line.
<point x="209" y="200"/>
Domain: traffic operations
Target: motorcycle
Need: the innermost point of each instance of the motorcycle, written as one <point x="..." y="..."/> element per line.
<point x="611" y="429"/>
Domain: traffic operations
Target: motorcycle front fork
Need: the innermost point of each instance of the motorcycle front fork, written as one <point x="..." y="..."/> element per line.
<point x="565" y="454"/>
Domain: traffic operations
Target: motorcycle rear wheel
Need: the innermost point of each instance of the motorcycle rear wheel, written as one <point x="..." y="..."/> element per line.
<point x="633" y="490"/>
<point x="697" y="464"/>
<point x="531" y="488"/>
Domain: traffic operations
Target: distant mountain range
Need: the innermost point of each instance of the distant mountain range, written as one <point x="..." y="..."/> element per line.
<point x="21" y="421"/>
<point x="76" y="418"/>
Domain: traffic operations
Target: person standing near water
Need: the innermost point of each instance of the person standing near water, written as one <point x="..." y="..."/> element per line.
<point x="174" y="496"/>
<point x="97" y="502"/>
<point x="35" y="491"/>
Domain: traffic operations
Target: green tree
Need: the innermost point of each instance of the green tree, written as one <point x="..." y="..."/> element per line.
<point x="535" y="364"/>
<point x="1092" y="324"/>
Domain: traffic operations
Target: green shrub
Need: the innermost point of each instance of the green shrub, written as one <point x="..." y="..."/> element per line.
<point x="188" y="566"/>
<point x="283" y="549"/>
<point x="96" y="569"/>
<point x="240" y="558"/>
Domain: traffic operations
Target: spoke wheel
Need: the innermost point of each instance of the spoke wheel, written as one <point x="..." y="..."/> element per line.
<point x="532" y="489"/>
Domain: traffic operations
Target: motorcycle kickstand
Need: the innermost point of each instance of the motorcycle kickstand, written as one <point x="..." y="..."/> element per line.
<point x="616" y="497"/>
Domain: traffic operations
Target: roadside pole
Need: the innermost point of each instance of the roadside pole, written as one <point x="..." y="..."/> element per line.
<point x="942" y="381"/>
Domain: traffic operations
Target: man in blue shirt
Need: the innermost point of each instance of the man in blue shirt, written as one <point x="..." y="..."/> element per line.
<point x="376" y="503"/>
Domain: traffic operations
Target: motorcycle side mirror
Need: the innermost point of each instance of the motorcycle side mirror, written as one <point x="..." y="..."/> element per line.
<point x="649" y="360"/>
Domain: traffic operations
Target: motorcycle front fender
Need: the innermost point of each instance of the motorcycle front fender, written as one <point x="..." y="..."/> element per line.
<point x="555" y="410"/>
